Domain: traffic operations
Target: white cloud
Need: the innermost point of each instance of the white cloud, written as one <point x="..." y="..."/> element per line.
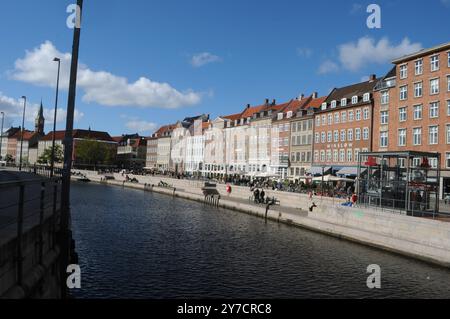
<point x="304" y="52"/>
<point x="446" y="3"/>
<point x="100" y="87"/>
<point x="328" y="66"/>
<point x="353" y="56"/>
<point x="13" y="109"/>
<point x="140" y="126"/>
<point x="204" y="58"/>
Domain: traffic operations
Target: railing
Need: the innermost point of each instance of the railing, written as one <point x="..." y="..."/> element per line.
<point x="40" y="170"/>
<point x="24" y="206"/>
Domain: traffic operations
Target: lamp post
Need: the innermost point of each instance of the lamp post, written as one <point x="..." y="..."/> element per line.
<point x="1" y="134"/>
<point x="52" y="161"/>
<point x="323" y="173"/>
<point x="21" y="135"/>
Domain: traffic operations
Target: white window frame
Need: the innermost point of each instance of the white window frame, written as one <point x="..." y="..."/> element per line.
<point x="400" y="113"/>
<point x="434" y="63"/>
<point x="344" y="102"/>
<point x="358" y="134"/>
<point x="329" y="137"/>
<point x="337" y="118"/>
<point x="358" y="115"/>
<point x="434" y="112"/>
<point x="403" y="92"/>
<point x="402" y="138"/>
<point x="384" y="97"/>
<point x="333" y="104"/>
<point x="355" y="99"/>
<point x="433" y="139"/>
<point x="434" y="89"/>
<point x="366" y="97"/>
<point x="351" y="116"/>
<point x="403" y="71"/>
<point x="336" y="136"/>
<point x="447" y="133"/>
<point x="384" y="139"/>
<point x="384" y="117"/>
<point x="415" y="142"/>
<point x="343" y="135"/>
<point x="366" y="113"/>
<point x="344" y="117"/>
<point x="418" y="67"/>
<point x="419" y="106"/>
<point x="350" y="135"/>
<point x="418" y="87"/>
<point x="366" y="134"/>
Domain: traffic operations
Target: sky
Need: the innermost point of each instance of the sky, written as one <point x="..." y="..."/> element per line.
<point x="147" y="63"/>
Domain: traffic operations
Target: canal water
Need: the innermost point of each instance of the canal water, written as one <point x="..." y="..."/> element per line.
<point x="133" y="244"/>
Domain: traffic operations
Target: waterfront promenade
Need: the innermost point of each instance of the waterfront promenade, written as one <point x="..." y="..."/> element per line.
<point x="420" y="238"/>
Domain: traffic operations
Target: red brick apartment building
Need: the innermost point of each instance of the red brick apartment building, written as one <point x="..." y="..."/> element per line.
<point x="412" y="107"/>
<point x="343" y="128"/>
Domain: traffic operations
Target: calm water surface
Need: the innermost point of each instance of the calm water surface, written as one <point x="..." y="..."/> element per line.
<point x="142" y="245"/>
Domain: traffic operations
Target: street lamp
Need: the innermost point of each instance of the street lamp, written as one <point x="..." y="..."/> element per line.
<point x="52" y="161"/>
<point x="21" y="135"/>
<point x="1" y="133"/>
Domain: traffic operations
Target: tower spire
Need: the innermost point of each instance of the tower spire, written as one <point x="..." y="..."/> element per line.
<point x="40" y="120"/>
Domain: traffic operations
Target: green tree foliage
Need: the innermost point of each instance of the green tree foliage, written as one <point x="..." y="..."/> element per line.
<point x="46" y="157"/>
<point x="92" y="152"/>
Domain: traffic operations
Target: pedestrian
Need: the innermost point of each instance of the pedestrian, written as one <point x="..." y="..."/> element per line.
<point x="262" y="196"/>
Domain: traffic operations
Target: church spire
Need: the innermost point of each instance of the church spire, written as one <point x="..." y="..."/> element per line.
<point x="40" y="121"/>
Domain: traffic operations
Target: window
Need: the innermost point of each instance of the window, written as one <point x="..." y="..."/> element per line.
<point x="384" y="139"/>
<point x="447" y="160"/>
<point x="344" y="117"/>
<point x="324" y="120"/>
<point x="350" y="135"/>
<point x="366" y="97"/>
<point x="356" y="154"/>
<point x="344" y="102"/>
<point x="329" y="156"/>
<point x="403" y="92"/>
<point x="343" y="135"/>
<point x="329" y="137"/>
<point x="280" y="116"/>
<point x="448" y="107"/>
<point x="358" y="115"/>
<point x="402" y="114"/>
<point x="418" y="67"/>
<point x="403" y="71"/>
<point x="434" y="86"/>
<point x="418" y="89"/>
<point x="365" y="133"/>
<point x="335" y="156"/>
<point x="349" y="155"/>
<point x="366" y="113"/>
<point x="417" y="136"/>
<point x="448" y="83"/>
<point x="355" y="100"/>
<point x="324" y="106"/>
<point x="417" y="112"/>
<point x="336" y="136"/>
<point x="434" y="109"/>
<point x="448" y="59"/>
<point x="336" y="118"/>
<point x="351" y="116"/>
<point x="289" y="114"/>
<point x="342" y="156"/>
<point x="384" y="117"/>
<point x="357" y="134"/>
<point x="322" y="156"/>
<point x="333" y="104"/>
<point x="402" y="137"/>
<point x="433" y="134"/>
<point x="434" y="60"/>
<point x="317" y="138"/>
<point x="448" y="134"/>
<point x="330" y="119"/>
<point x="316" y="156"/>
<point x="385" y="97"/>
<point x="317" y="120"/>
<point x="323" y="137"/>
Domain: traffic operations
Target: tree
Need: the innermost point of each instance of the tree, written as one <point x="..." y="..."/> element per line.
<point x="46" y="157"/>
<point x="92" y="152"/>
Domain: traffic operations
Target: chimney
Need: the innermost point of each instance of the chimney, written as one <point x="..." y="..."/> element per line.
<point x="267" y="102"/>
<point x="372" y="77"/>
<point x="301" y="97"/>
<point x="315" y="95"/>
<point x="248" y="106"/>
<point x="274" y="102"/>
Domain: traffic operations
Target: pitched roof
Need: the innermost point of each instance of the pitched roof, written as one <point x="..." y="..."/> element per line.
<point x="250" y="110"/>
<point x="27" y="135"/>
<point x="80" y="134"/>
<point x="358" y="89"/>
<point x="317" y="103"/>
<point x="232" y="117"/>
<point x="165" y="129"/>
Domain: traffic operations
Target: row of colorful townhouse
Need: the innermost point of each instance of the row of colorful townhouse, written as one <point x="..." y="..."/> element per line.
<point x="408" y="109"/>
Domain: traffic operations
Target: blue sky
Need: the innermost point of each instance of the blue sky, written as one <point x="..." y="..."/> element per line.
<point x="148" y="63"/>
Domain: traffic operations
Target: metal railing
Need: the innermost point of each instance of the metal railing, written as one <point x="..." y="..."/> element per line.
<point x="24" y="206"/>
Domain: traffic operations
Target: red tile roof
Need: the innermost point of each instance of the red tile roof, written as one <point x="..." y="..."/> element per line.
<point x="27" y="135"/>
<point x="165" y="129"/>
<point x="80" y="134"/>
<point x="317" y="103"/>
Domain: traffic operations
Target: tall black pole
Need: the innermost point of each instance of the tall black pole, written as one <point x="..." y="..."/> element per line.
<point x="22" y="131"/>
<point x="68" y="152"/>
<point x="1" y="134"/>
<point x="52" y="162"/>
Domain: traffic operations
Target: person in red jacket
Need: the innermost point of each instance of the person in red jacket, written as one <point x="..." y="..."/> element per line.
<point x="228" y="189"/>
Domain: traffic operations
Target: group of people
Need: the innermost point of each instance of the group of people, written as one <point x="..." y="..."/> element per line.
<point x="259" y="196"/>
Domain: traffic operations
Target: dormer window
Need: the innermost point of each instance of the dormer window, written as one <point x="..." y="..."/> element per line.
<point x="248" y="119"/>
<point x="366" y="97"/>
<point x="289" y="114"/>
<point x="355" y="100"/>
<point x="270" y="112"/>
<point x="333" y="104"/>
<point x="324" y="106"/>
<point x="344" y="102"/>
<point x="280" y="116"/>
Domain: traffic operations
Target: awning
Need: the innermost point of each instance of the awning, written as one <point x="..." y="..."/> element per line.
<point x="349" y="171"/>
<point x="318" y="170"/>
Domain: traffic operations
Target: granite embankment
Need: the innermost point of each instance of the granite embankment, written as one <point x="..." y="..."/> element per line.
<point x="420" y="238"/>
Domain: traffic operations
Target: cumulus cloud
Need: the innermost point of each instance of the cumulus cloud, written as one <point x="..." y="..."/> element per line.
<point x="328" y="66"/>
<point x="13" y="109"/>
<point x="99" y="87"/>
<point x="353" y="56"/>
<point x="140" y="126"/>
<point x="204" y="58"/>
